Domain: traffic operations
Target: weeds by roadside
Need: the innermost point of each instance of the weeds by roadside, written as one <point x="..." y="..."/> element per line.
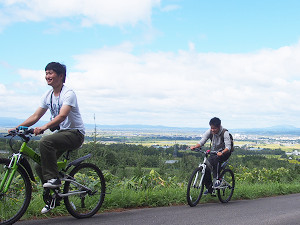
<point x="152" y="190"/>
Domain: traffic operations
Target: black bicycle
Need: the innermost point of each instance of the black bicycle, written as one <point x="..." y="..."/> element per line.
<point x="196" y="185"/>
<point x="83" y="187"/>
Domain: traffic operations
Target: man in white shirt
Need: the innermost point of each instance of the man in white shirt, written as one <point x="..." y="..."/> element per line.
<point x="65" y="118"/>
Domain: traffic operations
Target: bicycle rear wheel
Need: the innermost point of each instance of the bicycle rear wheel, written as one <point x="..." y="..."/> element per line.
<point x="195" y="187"/>
<point x="226" y="189"/>
<point x="14" y="202"/>
<point x="85" y="204"/>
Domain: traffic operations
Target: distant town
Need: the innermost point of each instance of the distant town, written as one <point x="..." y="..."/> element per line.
<point x="286" y="138"/>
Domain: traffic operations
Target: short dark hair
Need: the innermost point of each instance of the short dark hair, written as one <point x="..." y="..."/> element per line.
<point x="215" y="122"/>
<point x="58" y="68"/>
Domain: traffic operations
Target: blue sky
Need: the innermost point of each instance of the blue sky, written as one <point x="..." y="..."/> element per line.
<point x="156" y="62"/>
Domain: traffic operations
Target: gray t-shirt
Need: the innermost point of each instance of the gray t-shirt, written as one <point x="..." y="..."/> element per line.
<point x="66" y="97"/>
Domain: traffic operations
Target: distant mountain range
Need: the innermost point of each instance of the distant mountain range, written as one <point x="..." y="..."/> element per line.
<point x="274" y="130"/>
<point x="6" y="122"/>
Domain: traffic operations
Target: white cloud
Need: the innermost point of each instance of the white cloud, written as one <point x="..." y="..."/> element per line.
<point x="3" y="90"/>
<point x="189" y="86"/>
<point x="183" y="88"/>
<point x="113" y="13"/>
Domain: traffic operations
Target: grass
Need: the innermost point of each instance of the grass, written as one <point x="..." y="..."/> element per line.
<point x="253" y="191"/>
<point x="121" y="198"/>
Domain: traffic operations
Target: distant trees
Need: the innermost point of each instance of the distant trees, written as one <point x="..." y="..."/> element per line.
<point x="125" y="160"/>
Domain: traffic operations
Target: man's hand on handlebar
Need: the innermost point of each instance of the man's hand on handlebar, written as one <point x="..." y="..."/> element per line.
<point x="20" y="131"/>
<point x="13" y="130"/>
<point x="39" y="130"/>
<point x="195" y="147"/>
<point x="219" y="154"/>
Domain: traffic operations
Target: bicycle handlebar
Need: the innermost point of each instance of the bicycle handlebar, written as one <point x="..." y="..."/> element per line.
<point x="197" y="149"/>
<point x="205" y="152"/>
<point x="22" y="132"/>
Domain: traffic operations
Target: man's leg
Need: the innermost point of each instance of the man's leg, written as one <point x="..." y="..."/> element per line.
<point x="38" y="170"/>
<point x="222" y="159"/>
<point x="207" y="177"/>
<point x="53" y="146"/>
<point x="213" y="160"/>
<point x="207" y="181"/>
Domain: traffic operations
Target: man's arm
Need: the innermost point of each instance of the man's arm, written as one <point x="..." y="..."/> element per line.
<point x="203" y="140"/>
<point x="63" y="113"/>
<point x="195" y="146"/>
<point x="34" y="117"/>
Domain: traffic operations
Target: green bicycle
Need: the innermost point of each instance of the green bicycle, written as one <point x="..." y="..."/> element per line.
<point x="83" y="187"/>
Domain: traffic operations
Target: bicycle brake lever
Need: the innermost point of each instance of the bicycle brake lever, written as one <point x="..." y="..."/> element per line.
<point x="11" y="133"/>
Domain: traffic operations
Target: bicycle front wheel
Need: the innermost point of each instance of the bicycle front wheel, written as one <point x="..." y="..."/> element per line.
<point x="89" y="201"/>
<point x="15" y="201"/>
<point x="195" y="187"/>
<point x="226" y="189"/>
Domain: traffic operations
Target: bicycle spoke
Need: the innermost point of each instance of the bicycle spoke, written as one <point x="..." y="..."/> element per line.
<point x="15" y="201"/>
<point x="195" y="187"/>
<point x="225" y="192"/>
<point x="89" y="201"/>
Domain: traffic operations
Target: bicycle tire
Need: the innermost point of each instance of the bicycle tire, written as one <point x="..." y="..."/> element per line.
<point x="195" y="188"/>
<point x="226" y="189"/>
<point x="85" y="205"/>
<point x="14" y="203"/>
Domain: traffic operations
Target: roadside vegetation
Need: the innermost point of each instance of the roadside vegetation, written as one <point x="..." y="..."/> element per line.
<point x="145" y="176"/>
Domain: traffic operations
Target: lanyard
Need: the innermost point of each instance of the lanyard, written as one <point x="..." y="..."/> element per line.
<point x="57" y="103"/>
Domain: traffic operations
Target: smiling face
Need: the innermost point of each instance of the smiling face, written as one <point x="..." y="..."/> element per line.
<point x="53" y="79"/>
<point x="214" y="129"/>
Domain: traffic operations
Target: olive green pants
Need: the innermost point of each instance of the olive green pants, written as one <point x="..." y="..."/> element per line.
<point x="52" y="147"/>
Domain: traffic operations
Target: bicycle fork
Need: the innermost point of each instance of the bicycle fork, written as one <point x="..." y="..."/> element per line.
<point x="10" y="172"/>
<point x="202" y="176"/>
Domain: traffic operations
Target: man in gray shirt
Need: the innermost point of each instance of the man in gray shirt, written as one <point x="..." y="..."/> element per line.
<point x="221" y="143"/>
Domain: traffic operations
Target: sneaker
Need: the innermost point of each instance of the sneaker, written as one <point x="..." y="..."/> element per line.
<point x="217" y="184"/>
<point x="53" y="183"/>
<point x="46" y="209"/>
<point x="207" y="192"/>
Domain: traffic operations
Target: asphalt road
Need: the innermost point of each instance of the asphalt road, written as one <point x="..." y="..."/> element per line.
<point x="283" y="210"/>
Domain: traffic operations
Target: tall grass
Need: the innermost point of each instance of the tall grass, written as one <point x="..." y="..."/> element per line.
<point x="123" y="198"/>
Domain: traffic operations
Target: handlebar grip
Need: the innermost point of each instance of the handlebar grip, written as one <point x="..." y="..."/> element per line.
<point x="22" y="128"/>
<point x="30" y="131"/>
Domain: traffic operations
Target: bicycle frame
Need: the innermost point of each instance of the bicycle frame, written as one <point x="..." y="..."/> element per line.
<point x="12" y="168"/>
<point x="37" y="158"/>
<point x="84" y="181"/>
<point x="15" y="162"/>
<point x="195" y="187"/>
<point x="204" y="164"/>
